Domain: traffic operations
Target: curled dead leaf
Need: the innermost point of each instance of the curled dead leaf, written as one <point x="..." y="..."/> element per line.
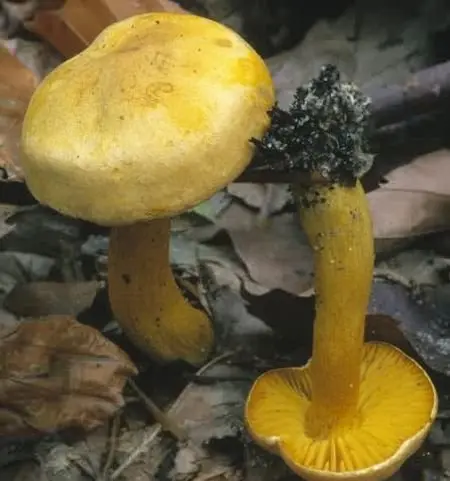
<point x="17" y="84"/>
<point x="267" y="198"/>
<point x="415" y="201"/>
<point x="38" y="299"/>
<point x="413" y="323"/>
<point x="276" y="253"/>
<point x="56" y="373"/>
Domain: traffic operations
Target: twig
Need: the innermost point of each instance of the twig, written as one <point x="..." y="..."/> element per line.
<point x="87" y="469"/>
<point x="424" y="91"/>
<point x="150" y="437"/>
<point x="163" y="419"/>
<point x="390" y="276"/>
<point x="112" y="445"/>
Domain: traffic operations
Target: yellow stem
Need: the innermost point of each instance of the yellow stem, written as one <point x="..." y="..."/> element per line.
<point x="337" y="222"/>
<point x="145" y="297"/>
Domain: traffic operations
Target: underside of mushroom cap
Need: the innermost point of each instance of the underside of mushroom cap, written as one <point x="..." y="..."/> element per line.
<point x="152" y="118"/>
<point x="397" y="405"/>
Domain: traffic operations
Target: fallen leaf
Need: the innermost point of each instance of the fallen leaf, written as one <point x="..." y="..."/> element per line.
<point x="415" y="268"/>
<point x="276" y="253"/>
<point x="213" y="207"/>
<point x="376" y="45"/>
<point x="236" y="328"/>
<point x="60" y="466"/>
<point x="213" y="410"/>
<point x="39" y="299"/>
<point x="424" y="327"/>
<point x="60" y="459"/>
<point x="17" y="83"/>
<point x="56" y="373"/>
<point x="415" y="201"/>
<point x="268" y="198"/>
<point x="40" y="230"/>
<point x="17" y="267"/>
<point x="187" y="254"/>
<point x="228" y="268"/>
<point x="211" y="415"/>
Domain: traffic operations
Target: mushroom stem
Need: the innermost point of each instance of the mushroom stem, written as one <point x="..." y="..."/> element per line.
<point x="145" y="297"/>
<point x="337" y="221"/>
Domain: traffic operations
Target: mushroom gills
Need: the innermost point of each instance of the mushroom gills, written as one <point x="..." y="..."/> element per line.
<point x="389" y="413"/>
<point x="355" y="411"/>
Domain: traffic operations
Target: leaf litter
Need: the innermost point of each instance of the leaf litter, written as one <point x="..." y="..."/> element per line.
<point x="244" y="257"/>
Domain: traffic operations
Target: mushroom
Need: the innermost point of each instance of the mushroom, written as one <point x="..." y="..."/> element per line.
<point x="355" y="411"/>
<point x="152" y="118"/>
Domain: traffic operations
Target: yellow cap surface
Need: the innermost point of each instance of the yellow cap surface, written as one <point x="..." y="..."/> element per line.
<point x="152" y="118"/>
<point x="397" y="405"/>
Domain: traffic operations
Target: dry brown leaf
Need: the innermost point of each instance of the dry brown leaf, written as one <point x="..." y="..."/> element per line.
<point x="56" y="373"/>
<point x="38" y="299"/>
<point x="416" y="199"/>
<point x="211" y="415"/>
<point x="17" y="84"/>
<point x="276" y="253"/>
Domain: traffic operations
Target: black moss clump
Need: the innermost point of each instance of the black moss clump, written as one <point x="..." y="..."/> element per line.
<point x="323" y="131"/>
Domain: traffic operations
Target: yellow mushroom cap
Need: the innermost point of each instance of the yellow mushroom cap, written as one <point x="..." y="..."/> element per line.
<point x="152" y="118"/>
<point x="397" y="406"/>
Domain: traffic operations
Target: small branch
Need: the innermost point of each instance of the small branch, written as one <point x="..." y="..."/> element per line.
<point x="164" y="420"/>
<point x="151" y="436"/>
<point x="112" y="446"/>
<point x="424" y="91"/>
